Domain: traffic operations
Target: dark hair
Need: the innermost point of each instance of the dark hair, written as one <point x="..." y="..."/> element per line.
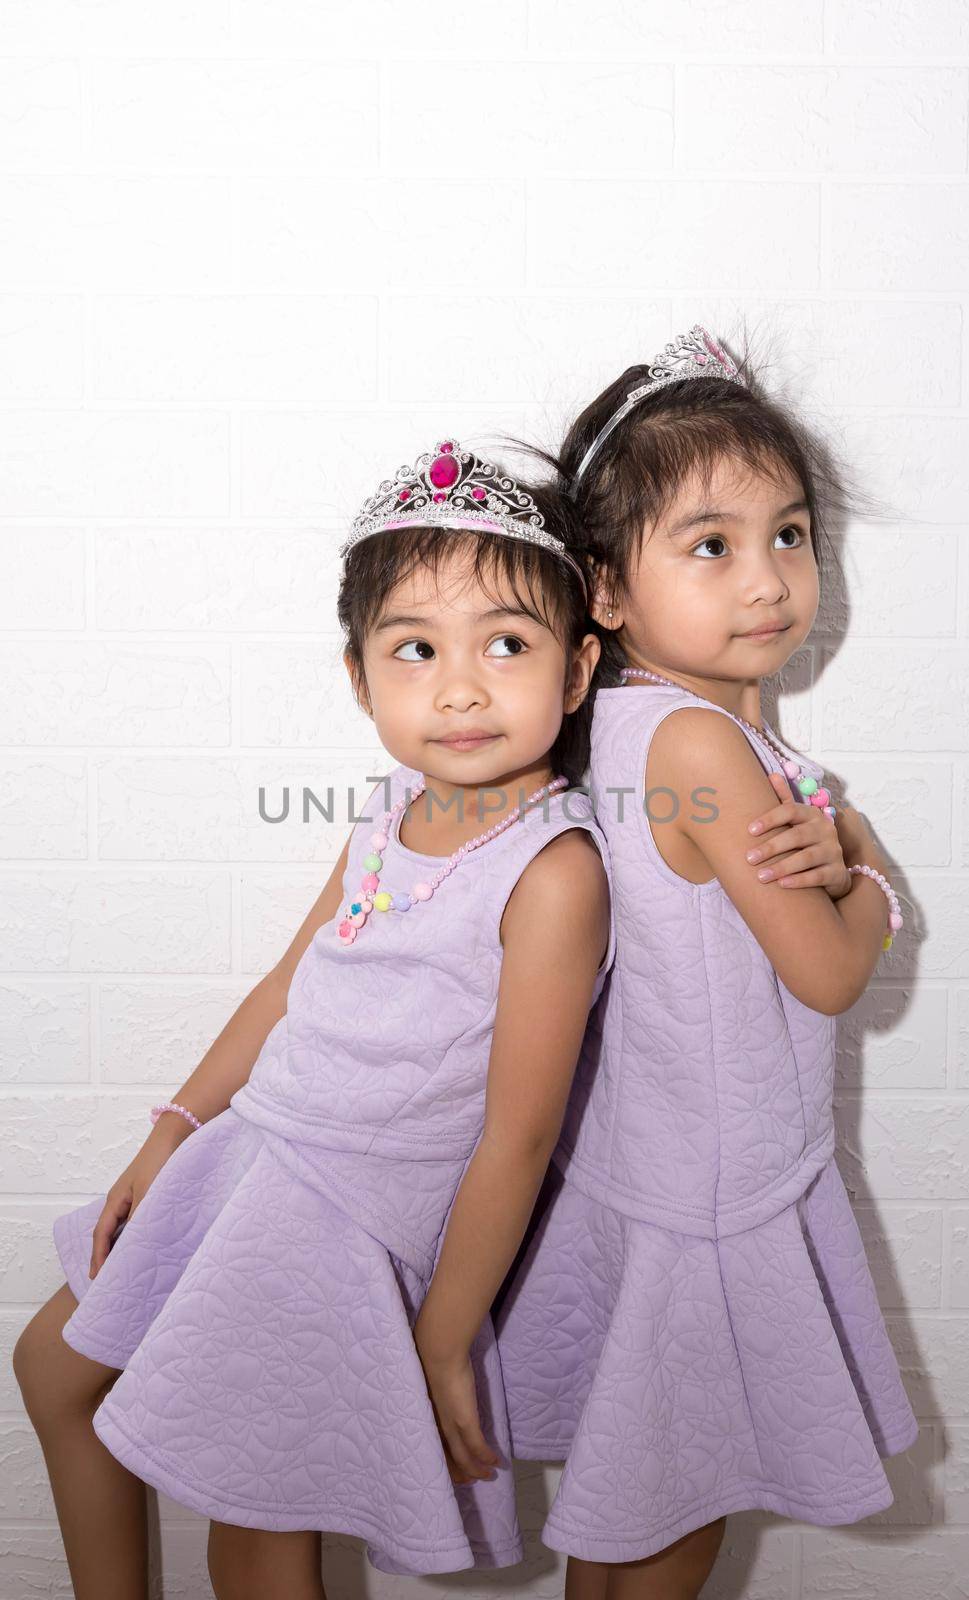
<point x="544" y="585"/>
<point x="686" y="426"/>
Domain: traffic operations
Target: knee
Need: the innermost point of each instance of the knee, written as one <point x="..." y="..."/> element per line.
<point x="26" y="1360"/>
<point x="28" y="1366"/>
<point x="55" y="1382"/>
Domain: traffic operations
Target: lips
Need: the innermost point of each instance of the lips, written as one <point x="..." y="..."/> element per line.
<point x="758" y="633"/>
<point x="465" y="735"/>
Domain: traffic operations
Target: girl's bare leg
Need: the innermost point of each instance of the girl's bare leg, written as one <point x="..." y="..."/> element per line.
<point x="676" y="1573"/>
<point x="586" y="1580"/>
<point x="101" y="1506"/>
<point x="256" y="1564"/>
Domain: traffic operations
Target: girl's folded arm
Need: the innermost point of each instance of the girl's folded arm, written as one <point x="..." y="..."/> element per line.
<point x="824" y="951"/>
<point x="555" y="931"/>
<point x="228" y="1062"/>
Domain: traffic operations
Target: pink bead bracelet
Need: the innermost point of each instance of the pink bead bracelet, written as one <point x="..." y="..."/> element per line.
<point x="894" y="912"/>
<point x="171" y="1105"/>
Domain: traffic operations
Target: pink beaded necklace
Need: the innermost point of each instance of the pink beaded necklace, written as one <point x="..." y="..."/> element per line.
<point x="375" y="899"/>
<point x="808" y="787"/>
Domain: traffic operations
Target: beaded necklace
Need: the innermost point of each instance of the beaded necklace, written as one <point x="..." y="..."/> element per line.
<point x="808" y="787"/>
<point x="376" y="899"/>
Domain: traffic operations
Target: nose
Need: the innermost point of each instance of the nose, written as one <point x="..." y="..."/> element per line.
<point x="764" y="581"/>
<point x="460" y="689"/>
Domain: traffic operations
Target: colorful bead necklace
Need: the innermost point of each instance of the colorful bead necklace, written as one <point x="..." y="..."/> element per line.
<point x="376" y="899"/>
<point x="808" y="787"/>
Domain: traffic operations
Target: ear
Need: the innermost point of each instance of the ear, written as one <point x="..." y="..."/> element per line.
<point x="605" y="611"/>
<point x="583" y="665"/>
<point x="603" y="607"/>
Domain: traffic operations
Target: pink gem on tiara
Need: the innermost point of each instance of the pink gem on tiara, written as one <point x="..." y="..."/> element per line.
<point x="471" y="492"/>
<point x="444" y="471"/>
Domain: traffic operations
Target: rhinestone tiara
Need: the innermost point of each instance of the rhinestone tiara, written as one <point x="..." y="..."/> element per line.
<point x="453" y="488"/>
<point x="690" y="355"/>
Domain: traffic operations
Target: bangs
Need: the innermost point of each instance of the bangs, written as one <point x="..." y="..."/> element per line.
<point x="688" y="432"/>
<point x="648" y="463"/>
<point x="504" y="569"/>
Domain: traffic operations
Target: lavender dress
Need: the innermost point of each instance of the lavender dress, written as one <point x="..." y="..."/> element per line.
<point x="261" y="1299"/>
<point x="694" y="1325"/>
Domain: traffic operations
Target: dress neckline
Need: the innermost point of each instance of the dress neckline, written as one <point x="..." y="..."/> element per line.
<point x="764" y="733"/>
<point x="417" y="855"/>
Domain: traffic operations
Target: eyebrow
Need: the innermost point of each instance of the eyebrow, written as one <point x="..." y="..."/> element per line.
<point x="398" y="620"/>
<point x="696" y="519"/>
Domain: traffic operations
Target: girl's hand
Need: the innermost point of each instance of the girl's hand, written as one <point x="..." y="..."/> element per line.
<point x="127" y="1193"/>
<point x="450" y="1384"/>
<point x="817" y="861"/>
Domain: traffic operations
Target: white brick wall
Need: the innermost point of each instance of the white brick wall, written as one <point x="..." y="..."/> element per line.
<point x="256" y="252"/>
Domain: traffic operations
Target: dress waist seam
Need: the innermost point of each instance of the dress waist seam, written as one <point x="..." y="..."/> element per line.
<point x="363" y="1136"/>
<point x="677" y="1215"/>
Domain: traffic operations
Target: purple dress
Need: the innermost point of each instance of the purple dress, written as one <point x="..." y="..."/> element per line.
<point x="693" y="1323"/>
<point x="261" y="1298"/>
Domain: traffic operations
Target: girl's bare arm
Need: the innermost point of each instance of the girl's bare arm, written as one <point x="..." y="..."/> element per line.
<point x="823" y="950"/>
<point x="555" y="931"/>
<point x="223" y="1069"/>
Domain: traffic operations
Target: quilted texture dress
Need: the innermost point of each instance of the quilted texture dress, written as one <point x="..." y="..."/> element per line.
<point x="693" y="1323"/>
<point x="261" y="1298"/>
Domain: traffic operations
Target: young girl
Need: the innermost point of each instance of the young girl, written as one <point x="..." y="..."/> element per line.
<point x="693" y="1323"/>
<point x="313" y="1232"/>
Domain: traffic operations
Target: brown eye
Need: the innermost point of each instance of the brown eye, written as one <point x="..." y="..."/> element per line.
<point x="512" y="639"/>
<point x="417" y="644"/>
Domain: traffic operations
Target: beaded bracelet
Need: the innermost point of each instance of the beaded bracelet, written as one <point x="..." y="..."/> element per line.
<point x="894" y="913"/>
<point x="171" y="1105"/>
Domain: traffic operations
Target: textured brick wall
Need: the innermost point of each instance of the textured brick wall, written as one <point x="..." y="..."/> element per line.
<point x="253" y="253"/>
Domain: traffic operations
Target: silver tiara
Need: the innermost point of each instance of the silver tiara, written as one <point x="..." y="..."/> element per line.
<point x="453" y="488"/>
<point x="690" y="355"/>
